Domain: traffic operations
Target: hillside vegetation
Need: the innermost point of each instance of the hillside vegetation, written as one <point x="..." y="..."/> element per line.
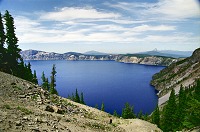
<point x="25" y="106"/>
<point x="183" y="72"/>
<point x="181" y="112"/>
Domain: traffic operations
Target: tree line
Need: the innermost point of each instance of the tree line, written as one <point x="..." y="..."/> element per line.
<point x="10" y="59"/>
<point x="180" y="112"/>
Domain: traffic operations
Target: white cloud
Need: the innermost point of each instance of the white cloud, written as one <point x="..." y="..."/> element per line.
<point x="162" y="10"/>
<point x="71" y="13"/>
<point x="180" y="9"/>
<point x="153" y="28"/>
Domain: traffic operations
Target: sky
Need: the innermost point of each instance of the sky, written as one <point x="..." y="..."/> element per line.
<point x="110" y="26"/>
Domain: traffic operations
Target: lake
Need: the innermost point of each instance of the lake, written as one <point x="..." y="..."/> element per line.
<point x="110" y="82"/>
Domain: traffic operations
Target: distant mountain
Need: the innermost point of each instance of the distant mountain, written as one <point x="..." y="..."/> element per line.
<point x="178" y="53"/>
<point x="168" y="53"/>
<point x="93" y="55"/>
<point x="92" y="52"/>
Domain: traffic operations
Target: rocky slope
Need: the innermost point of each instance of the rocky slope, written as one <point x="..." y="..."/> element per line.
<point x="128" y="58"/>
<point x="182" y="72"/>
<point x="26" y="107"/>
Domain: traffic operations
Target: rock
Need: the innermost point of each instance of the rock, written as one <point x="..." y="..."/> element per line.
<point x="22" y="96"/>
<point x="18" y="123"/>
<point x="36" y="129"/>
<point x="60" y="111"/>
<point x="25" y="118"/>
<point x="49" y="108"/>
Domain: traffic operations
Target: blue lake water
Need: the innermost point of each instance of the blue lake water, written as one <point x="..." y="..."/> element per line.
<point x="110" y="82"/>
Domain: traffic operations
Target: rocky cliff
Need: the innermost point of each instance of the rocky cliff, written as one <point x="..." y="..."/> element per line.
<point x="182" y="72"/>
<point x="26" y="107"/>
<point x="127" y="58"/>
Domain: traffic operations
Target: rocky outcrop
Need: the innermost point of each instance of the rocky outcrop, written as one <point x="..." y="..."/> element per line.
<point x="128" y="58"/>
<point x="148" y="60"/>
<point x="182" y="72"/>
<point x="27" y="107"/>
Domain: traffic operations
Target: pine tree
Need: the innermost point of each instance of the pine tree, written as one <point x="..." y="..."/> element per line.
<point x="43" y="80"/>
<point x="29" y="75"/>
<point x="169" y="115"/>
<point x="115" y="113"/>
<point x="77" y="98"/>
<point x="13" y="52"/>
<point x="156" y="117"/>
<point x="53" y="81"/>
<point x="197" y="90"/>
<point x="96" y="106"/>
<point x="128" y="112"/>
<point x="82" y="99"/>
<point x="35" y="80"/>
<point x="140" y="115"/>
<point x="2" y="42"/>
<point x="102" y="107"/>
<point x="181" y="106"/>
<point x="47" y="85"/>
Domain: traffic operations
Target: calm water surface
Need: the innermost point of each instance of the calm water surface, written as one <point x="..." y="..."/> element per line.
<point x="110" y="82"/>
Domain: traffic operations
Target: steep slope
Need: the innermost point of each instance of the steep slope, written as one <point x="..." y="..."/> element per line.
<point x="27" y="107"/>
<point x="182" y="72"/>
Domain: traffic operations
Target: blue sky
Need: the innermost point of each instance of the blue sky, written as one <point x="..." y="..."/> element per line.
<point x="111" y="26"/>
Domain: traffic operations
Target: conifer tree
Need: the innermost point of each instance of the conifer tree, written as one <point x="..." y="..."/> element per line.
<point x="197" y="90"/>
<point x="53" y="81"/>
<point x="102" y="107"/>
<point x="128" y="112"/>
<point x="2" y="42"/>
<point x="115" y="113"/>
<point x="156" y="117"/>
<point x="82" y="99"/>
<point x="47" y="85"/>
<point x="35" y="80"/>
<point x="96" y="106"/>
<point x="13" y="52"/>
<point x="43" y="81"/>
<point x="29" y="75"/>
<point x="77" y="98"/>
<point x="139" y="115"/>
<point x="169" y="115"/>
<point x="181" y="106"/>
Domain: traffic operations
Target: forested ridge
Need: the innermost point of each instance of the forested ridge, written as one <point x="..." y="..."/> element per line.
<point x="181" y="111"/>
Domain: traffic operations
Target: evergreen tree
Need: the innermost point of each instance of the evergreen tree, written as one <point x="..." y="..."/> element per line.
<point x="13" y="52"/>
<point x="96" y="106"/>
<point x="181" y="106"/>
<point x="169" y="115"/>
<point x="128" y="112"/>
<point x="115" y="113"/>
<point x="2" y="42"/>
<point x="197" y="90"/>
<point x="102" y="107"/>
<point x="82" y="99"/>
<point x="77" y="97"/>
<point x="156" y="117"/>
<point x="73" y="97"/>
<point x="53" y="81"/>
<point x="35" y="80"/>
<point x="140" y="115"/>
<point x="47" y="85"/>
<point x="28" y="75"/>
<point x="43" y="80"/>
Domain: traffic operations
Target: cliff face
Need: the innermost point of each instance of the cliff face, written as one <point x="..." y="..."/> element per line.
<point x="182" y="72"/>
<point x="133" y="58"/>
<point x="148" y="60"/>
